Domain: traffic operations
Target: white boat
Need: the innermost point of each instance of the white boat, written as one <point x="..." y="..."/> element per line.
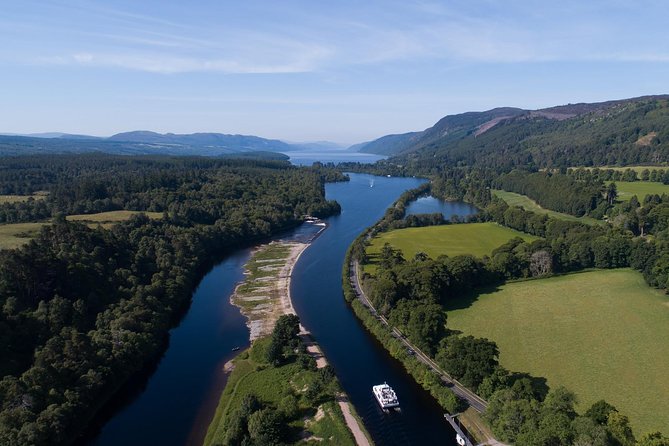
<point x="385" y="395"/>
<point x="460" y="440"/>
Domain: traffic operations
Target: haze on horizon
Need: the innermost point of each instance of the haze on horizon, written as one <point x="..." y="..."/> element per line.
<point x="300" y="70"/>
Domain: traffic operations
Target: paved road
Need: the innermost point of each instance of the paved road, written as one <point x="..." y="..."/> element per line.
<point x="460" y="390"/>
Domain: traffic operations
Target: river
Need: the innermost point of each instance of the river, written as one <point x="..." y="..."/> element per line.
<point x="173" y="404"/>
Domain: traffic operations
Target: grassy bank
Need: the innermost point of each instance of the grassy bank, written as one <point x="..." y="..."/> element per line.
<point x="513" y="199"/>
<point x="599" y="333"/>
<point x="288" y="388"/>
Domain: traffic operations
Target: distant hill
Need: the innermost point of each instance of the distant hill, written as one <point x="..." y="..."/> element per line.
<point x="616" y="132"/>
<point x="317" y="146"/>
<point x="389" y="144"/>
<point x="142" y="143"/>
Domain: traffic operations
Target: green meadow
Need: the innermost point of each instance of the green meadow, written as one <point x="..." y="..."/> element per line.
<point x="112" y="216"/>
<point x="513" y="199"/>
<point x="14" y="235"/>
<point x="602" y="334"/>
<point x="627" y="189"/>
<point x="477" y="239"/>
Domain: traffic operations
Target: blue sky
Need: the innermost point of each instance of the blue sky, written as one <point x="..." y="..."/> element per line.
<point x="344" y="71"/>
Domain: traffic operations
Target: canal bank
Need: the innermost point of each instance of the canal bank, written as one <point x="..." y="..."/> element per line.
<point x="263" y="297"/>
<point x="360" y="361"/>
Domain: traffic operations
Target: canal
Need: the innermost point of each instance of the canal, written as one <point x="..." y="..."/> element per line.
<point x="172" y="405"/>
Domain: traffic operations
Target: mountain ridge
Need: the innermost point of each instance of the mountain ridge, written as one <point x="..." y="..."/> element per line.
<point x="454" y="128"/>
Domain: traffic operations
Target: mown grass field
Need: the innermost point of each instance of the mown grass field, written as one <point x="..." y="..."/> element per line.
<point x="21" y="198"/>
<point x="477" y="239"/>
<point x="14" y="235"/>
<point x="513" y="199"/>
<point x="18" y="234"/>
<point x="637" y="169"/>
<point x="602" y="334"/>
<point x="627" y="189"/>
<point x="270" y="385"/>
<point x="112" y="216"/>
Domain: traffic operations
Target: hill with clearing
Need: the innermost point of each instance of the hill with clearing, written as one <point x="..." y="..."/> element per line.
<point x="620" y="132"/>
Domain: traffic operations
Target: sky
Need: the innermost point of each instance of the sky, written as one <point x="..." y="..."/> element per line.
<point x="343" y="71"/>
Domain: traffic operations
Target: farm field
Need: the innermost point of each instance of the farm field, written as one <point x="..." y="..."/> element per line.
<point x="637" y="169"/>
<point x="112" y="216"/>
<point x="602" y="334"/>
<point x="18" y="234"/>
<point x="627" y="189"/>
<point x="14" y="235"/>
<point x="477" y="239"/>
<point x="22" y="198"/>
<point x="514" y="199"/>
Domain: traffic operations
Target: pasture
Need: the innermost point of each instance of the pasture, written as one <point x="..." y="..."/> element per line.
<point x="477" y="239"/>
<point x="627" y="189"/>
<point x="525" y="202"/>
<point x="602" y="334"/>
<point x="14" y="235"/>
<point x="112" y="216"/>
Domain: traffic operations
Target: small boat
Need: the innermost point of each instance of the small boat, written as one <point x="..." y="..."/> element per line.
<point x="459" y="440"/>
<point x="234" y="349"/>
<point x="385" y="395"/>
<point x="371" y="183"/>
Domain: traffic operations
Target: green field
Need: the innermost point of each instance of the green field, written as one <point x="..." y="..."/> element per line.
<point x="112" y="216"/>
<point x="251" y="375"/>
<point x="602" y="334"/>
<point x="18" y="234"/>
<point x="22" y="198"/>
<point x="513" y="199"/>
<point x="627" y="189"/>
<point x="478" y="239"/>
<point x="13" y="235"/>
<point x="637" y="169"/>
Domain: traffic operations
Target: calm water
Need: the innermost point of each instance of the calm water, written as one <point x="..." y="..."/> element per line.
<point x="174" y="404"/>
<point x="432" y="205"/>
<point x="360" y="362"/>
<point x="307" y="158"/>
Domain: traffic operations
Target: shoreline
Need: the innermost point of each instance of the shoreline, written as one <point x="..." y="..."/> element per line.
<point x="263" y="305"/>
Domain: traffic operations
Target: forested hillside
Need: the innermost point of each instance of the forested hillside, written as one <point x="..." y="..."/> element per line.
<point x="84" y="309"/>
<point x="633" y="131"/>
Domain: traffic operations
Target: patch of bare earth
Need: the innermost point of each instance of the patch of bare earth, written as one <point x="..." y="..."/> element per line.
<point x="646" y="140"/>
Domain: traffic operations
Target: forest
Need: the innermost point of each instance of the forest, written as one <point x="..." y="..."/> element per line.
<point x="631" y="132"/>
<point x="83" y="309"/>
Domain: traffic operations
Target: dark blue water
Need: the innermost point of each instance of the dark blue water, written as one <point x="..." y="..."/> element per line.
<point x="176" y="402"/>
<point x="359" y="361"/>
<point x="178" y="398"/>
<point x="432" y="205"/>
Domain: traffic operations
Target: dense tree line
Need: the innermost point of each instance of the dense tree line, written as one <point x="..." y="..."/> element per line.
<point x="554" y="191"/>
<point x="186" y="188"/>
<point x="84" y="309"/>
